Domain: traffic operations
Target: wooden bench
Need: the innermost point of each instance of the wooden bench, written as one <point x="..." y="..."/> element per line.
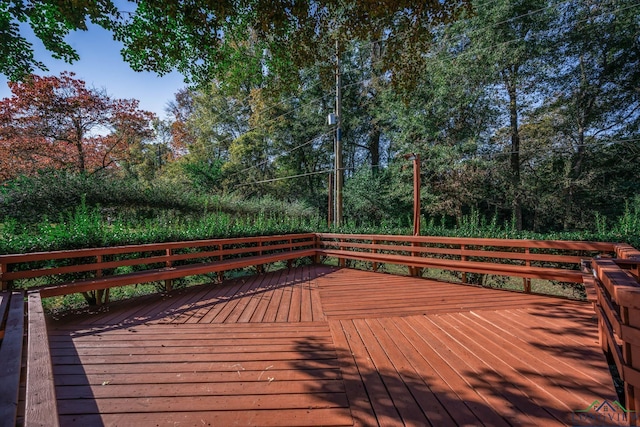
<point x="11" y="346"/>
<point x="529" y="259"/>
<point x="154" y="262"/>
<point x="618" y="310"/>
<point x="573" y="276"/>
<point x="40" y="407"/>
<point x="170" y="273"/>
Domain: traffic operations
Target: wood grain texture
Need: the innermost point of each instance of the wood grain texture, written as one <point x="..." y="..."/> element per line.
<point x="319" y="345"/>
<point x="11" y="360"/>
<point x="40" y="407"/>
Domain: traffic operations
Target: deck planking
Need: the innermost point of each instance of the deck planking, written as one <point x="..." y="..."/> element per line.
<point x="319" y="345"/>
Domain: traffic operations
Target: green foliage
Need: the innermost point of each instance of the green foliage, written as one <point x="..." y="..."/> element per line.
<point x="51" y="21"/>
<point x="51" y="194"/>
<point x="247" y="43"/>
<point x="521" y="122"/>
<point x="87" y="227"/>
<point x="205" y="176"/>
<point x="374" y="199"/>
<point x="625" y="228"/>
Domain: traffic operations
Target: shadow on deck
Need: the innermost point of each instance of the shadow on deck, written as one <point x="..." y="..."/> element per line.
<point x="318" y="345"/>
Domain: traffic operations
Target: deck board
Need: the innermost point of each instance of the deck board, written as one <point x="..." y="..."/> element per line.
<point x="319" y="345"/>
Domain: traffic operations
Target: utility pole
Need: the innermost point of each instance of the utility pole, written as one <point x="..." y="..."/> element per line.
<point x="415" y="158"/>
<point x="330" y="207"/>
<point x="416" y="194"/>
<point x="338" y="168"/>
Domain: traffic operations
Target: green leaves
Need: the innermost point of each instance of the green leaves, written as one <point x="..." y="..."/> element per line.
<point x="51" y="21"/>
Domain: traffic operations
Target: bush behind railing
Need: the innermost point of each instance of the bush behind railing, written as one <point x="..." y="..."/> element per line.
<point x="89" y="227"/>
<point x="86" y="227"/>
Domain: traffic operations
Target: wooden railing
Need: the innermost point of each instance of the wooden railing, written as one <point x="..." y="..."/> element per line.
<point x="529" y="259"/>
<point x="618" y="310"/>
<point x="97" y="270"/>
<point x="608" y="271"/>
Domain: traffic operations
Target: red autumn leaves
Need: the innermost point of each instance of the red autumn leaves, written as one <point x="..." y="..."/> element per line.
<point x="57" y="122"/>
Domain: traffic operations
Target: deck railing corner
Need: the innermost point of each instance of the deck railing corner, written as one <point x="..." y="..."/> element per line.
<point x="618" y="311"/>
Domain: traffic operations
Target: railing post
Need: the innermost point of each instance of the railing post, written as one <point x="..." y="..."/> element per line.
<point x="168" y="283"/>
<point x="5" y="285"/>
<point x="630" y="317"/>
<point x="220" y="258"/>
<point x="260" y="267"/>
<point x="341" y="261"/>
<point x="316" y="246"/>
<point x="526" y="282"/>
<point x="463" y="259"/>
<point x="374" y="250"/>
<point x="618" y="310"/>
<point x="100" y="292"/>
<point x="602" y="334"/>
<point x="629" y="389"/>
<point x="415" y="271"/>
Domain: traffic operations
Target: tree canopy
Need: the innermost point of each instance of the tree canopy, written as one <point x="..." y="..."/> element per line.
<point x="226" y="40"/>
<point x="525" y="111"/>
<point x="50" y="21"/>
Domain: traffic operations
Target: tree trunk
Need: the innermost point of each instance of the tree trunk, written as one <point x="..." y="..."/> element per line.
<point x="374" y="131"/>
<point x="80" y="148"/>
<point x="516" y="203"/>
<point x="584" y="108"/>
<point x="374" y="148"/>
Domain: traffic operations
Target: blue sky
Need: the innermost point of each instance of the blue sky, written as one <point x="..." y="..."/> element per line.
<point x="101" y="66"/>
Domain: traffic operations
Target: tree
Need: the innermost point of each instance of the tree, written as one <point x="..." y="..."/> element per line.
<point x="207" y="39"/>
<point x="57" y="122"/>
<point x="51" y="21"/>
<point x="594" y="91"/>
<point x="204" y="40"/>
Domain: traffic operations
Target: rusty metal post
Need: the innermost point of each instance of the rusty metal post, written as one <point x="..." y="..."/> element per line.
<point x="416" y="194"/>
<point x="415" y="271"/>
<point x="330" y="207"/>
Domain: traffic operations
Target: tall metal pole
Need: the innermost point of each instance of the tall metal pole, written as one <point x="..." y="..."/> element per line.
<point x="416" y="194"/>
<point x="339" y="176"/>
<point x="330" y="207"/>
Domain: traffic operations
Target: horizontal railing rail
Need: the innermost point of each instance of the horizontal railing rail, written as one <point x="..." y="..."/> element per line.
<point x="618" y="310"/>
<point x="100" y="268"/>
<point x="529" y="259"/>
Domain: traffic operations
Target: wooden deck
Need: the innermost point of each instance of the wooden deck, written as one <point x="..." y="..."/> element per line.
<point x="319" y="345"/>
